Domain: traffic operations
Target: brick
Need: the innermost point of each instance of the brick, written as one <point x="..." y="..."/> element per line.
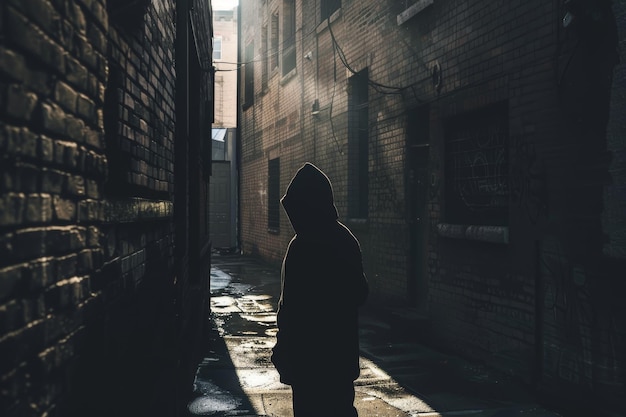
<point x="30" y="143"/>
<point x="10" y="280"/>
<point x="39" y="11"/>
<point x="38" y="208"/>
<point x="85" y="261"/>
<point x="66" y="153"/>
<point x="12" y="207"/>
<point x="86" y="108"/>
<point x="11" y="316"/>
<point x="12" y="64"/>
<point x="34" y="41"/>
<point x="6" y="246"/>
<point x="65" y="267"/>
<point x="46" y="149"/>
<point x="92" y="188"/>
<point x="27" y="177"/>
<point x="40" y="273"/>
<point x="94" y="139"/>
<point x="20" y="103"/>
<point x="77" y="17"/>
<point x="65" y="96"/>
<point x="30" y="243"/>
<point x="61" y="240"/>
<point x="77" y="75"/>
<point x="75" y="128"/>
<point x="39" y="81"/>
<point x="53" y="181"/>
<point x="89" y="211"/>
<point x="75" y="185"/>
<point x="53" y="118"/>
<point x="64" y="209"/>
<point x="97" y="38"/>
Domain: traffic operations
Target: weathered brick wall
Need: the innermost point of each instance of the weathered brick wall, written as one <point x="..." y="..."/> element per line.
<point x="53" y="73"/>
<point x="87" y="281"/>
<point x="461" y="63"/>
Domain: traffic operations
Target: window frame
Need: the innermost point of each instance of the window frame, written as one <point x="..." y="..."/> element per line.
<point x="217" y="49"/>
<point x="288" y="31"/>
<point x="468" y="142"/>
<point x="248" y="75"/>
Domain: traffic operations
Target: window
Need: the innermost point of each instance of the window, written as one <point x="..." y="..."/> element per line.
<point x="477" y="169"/>
<point x="217" y="47"/>
<point x="328" y="7"/>
<point x="248" y="69"/>
<point x="264" y="58"/>
<point x="274" y="42"/>
<point x="358" y="153"/>
<point x="273" y="195"/>
<point x="289" y="36"/>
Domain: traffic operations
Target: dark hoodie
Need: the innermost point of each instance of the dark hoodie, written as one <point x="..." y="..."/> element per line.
<point x="323" y="285"/>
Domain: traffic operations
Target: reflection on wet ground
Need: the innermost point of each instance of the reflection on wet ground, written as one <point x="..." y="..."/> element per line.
<point x="399" y="377"/>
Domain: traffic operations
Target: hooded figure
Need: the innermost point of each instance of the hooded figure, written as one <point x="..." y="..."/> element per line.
<point x="323" y="284"/>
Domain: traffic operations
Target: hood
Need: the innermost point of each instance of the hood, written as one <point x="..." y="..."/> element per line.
<point x="309" y="201"/>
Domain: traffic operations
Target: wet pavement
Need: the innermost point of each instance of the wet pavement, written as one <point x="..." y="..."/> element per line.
<point x="399" y="376"/>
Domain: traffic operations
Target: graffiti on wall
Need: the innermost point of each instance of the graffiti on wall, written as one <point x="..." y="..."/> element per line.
<point x="528" y="179"/>
<point x="583" y="343"/>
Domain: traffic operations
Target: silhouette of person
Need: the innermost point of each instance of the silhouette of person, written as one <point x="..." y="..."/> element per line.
<point x="323" y="285"/>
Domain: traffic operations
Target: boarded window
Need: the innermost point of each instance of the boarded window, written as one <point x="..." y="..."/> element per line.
<point x="477" y="167"/>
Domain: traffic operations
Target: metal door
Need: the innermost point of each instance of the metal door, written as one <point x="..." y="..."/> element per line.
<point x="219" y="202"/>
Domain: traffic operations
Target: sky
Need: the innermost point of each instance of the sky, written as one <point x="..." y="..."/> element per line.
<point x="224" y="4"/>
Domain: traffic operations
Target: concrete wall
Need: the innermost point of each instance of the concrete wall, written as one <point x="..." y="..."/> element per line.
<point x="89" y="301"/>
<point x="499" y="108"/>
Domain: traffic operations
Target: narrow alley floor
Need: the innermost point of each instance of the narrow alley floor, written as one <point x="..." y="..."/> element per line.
<point x="399" y="377"/>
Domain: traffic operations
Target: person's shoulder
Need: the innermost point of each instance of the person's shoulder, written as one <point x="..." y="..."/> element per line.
<point x="347" y="234"/>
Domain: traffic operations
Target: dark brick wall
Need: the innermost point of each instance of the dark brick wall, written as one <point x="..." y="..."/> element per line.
<point x="507" y="260"/>
<point x="89" y="297"/>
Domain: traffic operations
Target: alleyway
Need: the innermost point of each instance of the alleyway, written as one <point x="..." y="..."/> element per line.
<point x="399" y="377"/>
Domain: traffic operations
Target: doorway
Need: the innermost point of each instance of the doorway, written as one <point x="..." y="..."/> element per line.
<point x="418" y="154"/>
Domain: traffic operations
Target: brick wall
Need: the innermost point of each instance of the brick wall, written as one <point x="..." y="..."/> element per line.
<point x="88" y="313"/>
<point x="506" y="171"/>
<point x="53" y="77"/>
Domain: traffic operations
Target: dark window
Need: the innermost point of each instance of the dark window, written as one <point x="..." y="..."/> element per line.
<point x="358" y="153"/>
<point x="289" y="36"/>
<point x="248" y="88"/>
<point x="328" y="7"/>
<point x="273" y="195"/>
<point x="274" y="42"/>
<point x="477" y="168"/>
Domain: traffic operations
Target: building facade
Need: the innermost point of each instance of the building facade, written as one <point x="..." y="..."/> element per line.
<point x="104" y="253"/>
<point x="225" y="61"/>
<point x="467" y="146"/>
<point x="224" y="180"/>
